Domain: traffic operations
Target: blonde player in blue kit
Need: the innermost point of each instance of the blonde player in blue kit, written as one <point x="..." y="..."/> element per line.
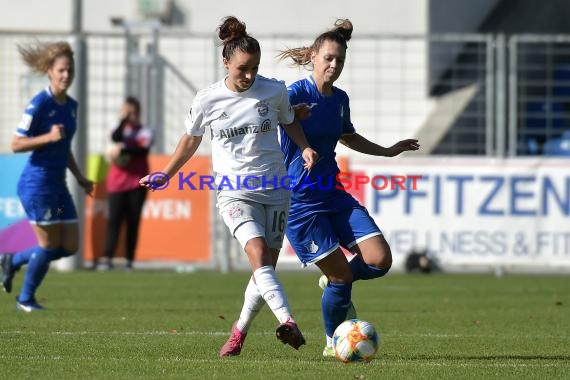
<point x="243" y="112"/>
<point x="46" y="129"/>
<point x="323" y="216"/>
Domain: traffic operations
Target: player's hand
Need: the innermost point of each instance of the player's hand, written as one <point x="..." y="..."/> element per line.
<point x="56" y="133"/>
<point x="144" y="182"/>
<point x="87" y="185"/>
<point x="403" y="146"/>
<point x="310" y="157"/>
<point x="156" y="182"/>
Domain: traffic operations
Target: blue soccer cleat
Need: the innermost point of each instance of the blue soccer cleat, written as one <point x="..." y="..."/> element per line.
<point x="7" y="271"/>
<point x="29" y="306"/>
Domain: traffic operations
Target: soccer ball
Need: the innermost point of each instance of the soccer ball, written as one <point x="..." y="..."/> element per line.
<point x="355" y="340"/>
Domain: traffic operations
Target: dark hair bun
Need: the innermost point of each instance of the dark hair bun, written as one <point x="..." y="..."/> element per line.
<point x="230" y="29"/>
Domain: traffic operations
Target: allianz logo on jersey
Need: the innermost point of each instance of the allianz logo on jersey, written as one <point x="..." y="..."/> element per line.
<point x="228" y="133"/>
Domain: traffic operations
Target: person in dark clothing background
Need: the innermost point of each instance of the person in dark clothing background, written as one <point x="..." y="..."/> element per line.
<point x="128" y="156"/>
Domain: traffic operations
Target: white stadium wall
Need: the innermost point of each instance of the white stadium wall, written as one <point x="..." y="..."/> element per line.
<point x="202" y="16"/>
<point x="369" y="74"/>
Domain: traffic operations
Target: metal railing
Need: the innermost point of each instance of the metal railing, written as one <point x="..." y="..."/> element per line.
<point x="539" y="91"/>
<point x="395" y="84"/>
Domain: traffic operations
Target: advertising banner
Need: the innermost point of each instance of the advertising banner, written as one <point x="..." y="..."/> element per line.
<point x="15" y="231"/>
<point x="175" y="224"/>
<point x="472" y="212"/>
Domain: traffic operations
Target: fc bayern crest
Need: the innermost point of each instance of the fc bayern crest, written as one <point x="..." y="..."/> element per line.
<point x="262" y="107"/>
<point x="235" y="211"/>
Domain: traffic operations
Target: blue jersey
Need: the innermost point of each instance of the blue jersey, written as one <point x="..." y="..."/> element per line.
<point x="44" y="172"/>
<point x="318" y="190"/>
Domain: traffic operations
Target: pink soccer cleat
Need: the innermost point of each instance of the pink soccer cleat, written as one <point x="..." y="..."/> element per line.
<point x="234" y="344"/>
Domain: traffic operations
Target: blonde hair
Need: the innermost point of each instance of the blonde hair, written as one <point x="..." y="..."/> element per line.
<point x="40" y="57"/>
<point x="301" y="56"/>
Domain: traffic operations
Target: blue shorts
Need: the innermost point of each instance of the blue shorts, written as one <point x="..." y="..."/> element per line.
<point x="46" y="209"/>
<point x="314" y="236"/>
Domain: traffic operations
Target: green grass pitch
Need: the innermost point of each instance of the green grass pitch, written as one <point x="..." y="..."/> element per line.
<point x="164" y="325"/>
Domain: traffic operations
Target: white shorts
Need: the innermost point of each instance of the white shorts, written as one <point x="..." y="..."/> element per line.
<point x="247" y="219"/>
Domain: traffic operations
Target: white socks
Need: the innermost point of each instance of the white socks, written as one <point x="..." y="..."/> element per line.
<point x="252" y="304"/>
<point x="272" y="292"/>
<point x="329" y="341"/>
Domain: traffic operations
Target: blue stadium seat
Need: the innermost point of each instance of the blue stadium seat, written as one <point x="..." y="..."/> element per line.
<point x="559" y="146"/>
<point x="561" y="82"/>
<point x="543" y="119"/>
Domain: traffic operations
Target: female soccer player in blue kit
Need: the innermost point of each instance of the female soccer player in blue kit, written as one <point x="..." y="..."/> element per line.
<point x="323" y="216"/>
<point x="46" y="129"/>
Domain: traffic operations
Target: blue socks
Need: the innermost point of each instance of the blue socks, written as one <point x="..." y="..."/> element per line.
<point x="337" y="297"/>
<point x="22" y="257"/>
<point x="38" y="266"/>
<point x="363" y="271"/>
<point x="334" y="304"/>
<point x="38" y="260"/>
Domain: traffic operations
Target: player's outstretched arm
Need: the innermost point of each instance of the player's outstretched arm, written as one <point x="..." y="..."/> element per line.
<point x="360" y="144"/>
<point x="185" y="149"/>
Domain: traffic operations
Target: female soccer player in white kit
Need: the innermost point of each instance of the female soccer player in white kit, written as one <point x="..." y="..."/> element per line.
<point x="243" y="112"/>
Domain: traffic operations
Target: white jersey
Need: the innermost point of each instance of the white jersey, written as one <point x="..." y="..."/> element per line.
<point x="244" y="131"/>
